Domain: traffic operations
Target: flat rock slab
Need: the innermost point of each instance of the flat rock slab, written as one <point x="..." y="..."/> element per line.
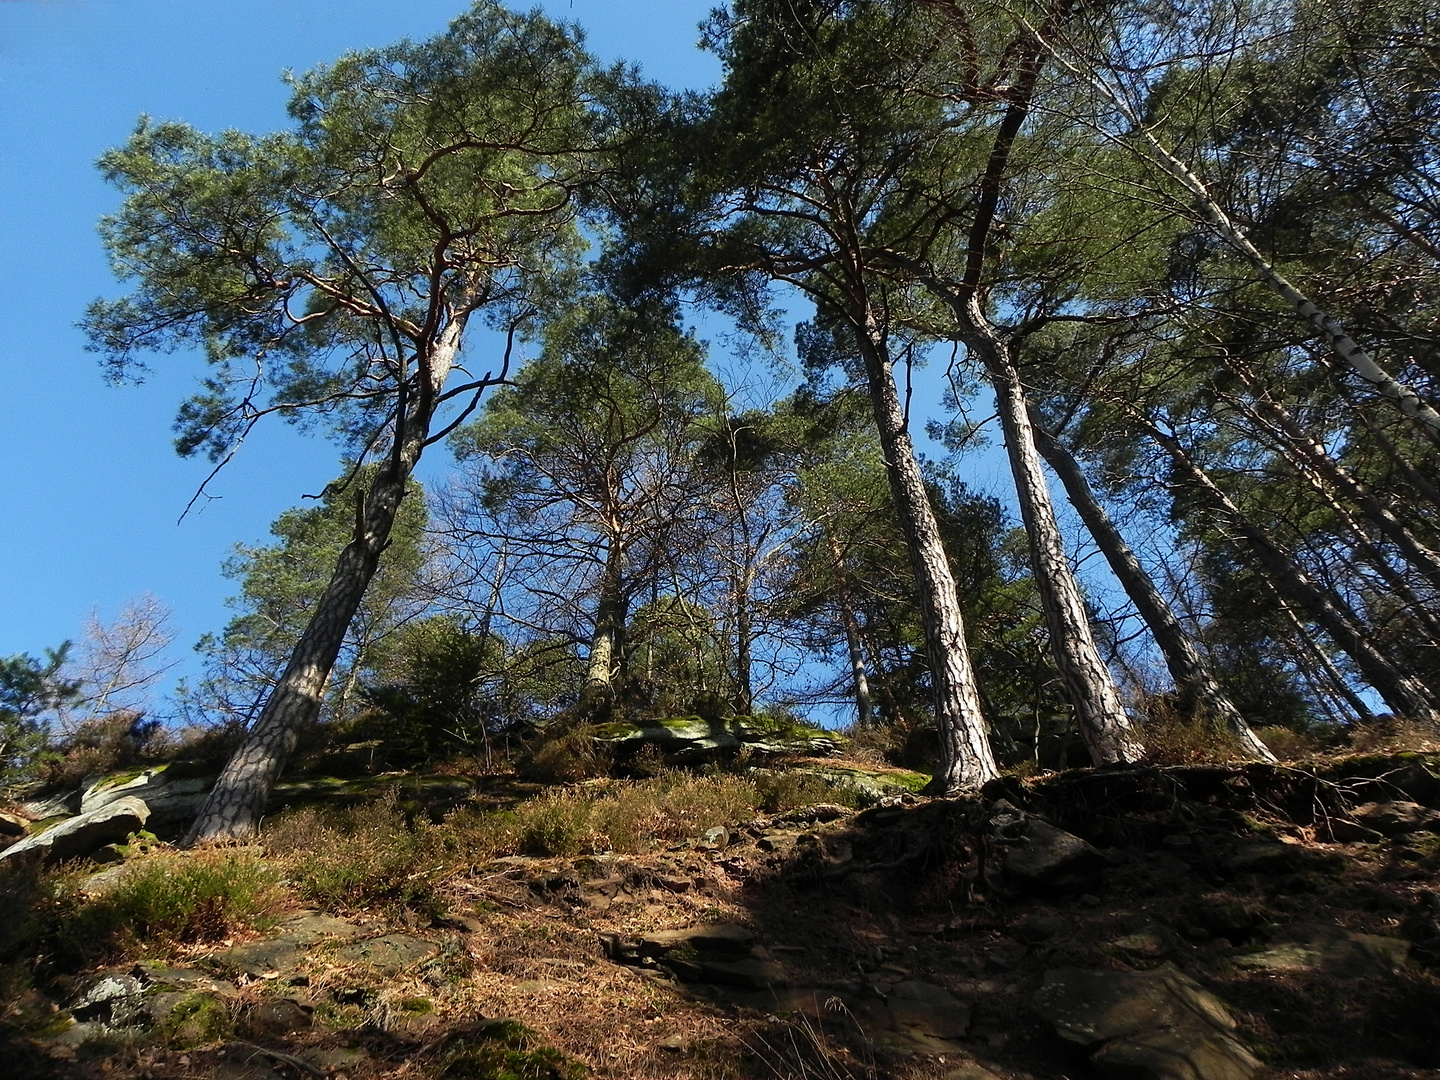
<point x="171" y="792"/>
<point x="283" y="952"/>
<point x="79" y="836"/>
<point x="259" y="958"/>
<point x="388" y="955"/>
<point x="716" y="937"/>
<point x="311" y="927"/>
<point x="1153" y="1025"/>
<point x="1332" y="951"/>
<point x="928" y="1009"/>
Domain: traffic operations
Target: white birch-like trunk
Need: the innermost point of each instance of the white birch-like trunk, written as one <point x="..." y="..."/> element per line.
<point x="1109" y="735"/>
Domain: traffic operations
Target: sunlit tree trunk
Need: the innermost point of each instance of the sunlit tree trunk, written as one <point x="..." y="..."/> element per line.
<point x="1404" y="694"/>
<point x="605" y="641"/>
<point x="1198" y="689"/>
<point x="966" y="761"/>
<point x="864" y="711"/>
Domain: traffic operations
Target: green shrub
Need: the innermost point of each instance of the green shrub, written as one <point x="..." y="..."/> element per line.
<point x="157" y="904"/>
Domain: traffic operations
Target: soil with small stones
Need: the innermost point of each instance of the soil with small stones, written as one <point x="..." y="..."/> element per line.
<point x="835" y="924"/>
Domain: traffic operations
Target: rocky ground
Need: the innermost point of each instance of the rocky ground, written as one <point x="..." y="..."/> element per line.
<point x="1183" y="923"/>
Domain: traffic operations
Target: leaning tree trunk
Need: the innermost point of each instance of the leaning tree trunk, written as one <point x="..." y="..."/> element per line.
<point x="1325" y="475"/>
<point x="1199" y="691"/>
<point x="237" y="801"/>
<point x="1404" y="694"/>
<point x="1109" y="735"/>
<point x="1328" y="672"/>
<point x="966" y="761"/>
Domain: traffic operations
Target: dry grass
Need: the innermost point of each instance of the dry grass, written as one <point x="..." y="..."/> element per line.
<point x="1395" y="734"/>
<point x="1174" y="739"/>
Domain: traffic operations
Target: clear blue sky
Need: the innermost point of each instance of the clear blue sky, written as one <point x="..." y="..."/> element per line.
<point x="92" y="489"/>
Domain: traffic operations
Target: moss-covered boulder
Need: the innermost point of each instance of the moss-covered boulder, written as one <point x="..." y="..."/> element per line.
<point x="695" y="740"/>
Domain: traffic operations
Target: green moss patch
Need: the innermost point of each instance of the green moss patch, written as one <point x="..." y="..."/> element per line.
<point x="508" y="1050"/>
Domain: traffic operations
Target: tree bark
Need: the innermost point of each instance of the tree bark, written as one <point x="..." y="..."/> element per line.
<point x="1198" y="689"/>
<point x="1109" y="735"/>
<point x="1404" y="695"/>
<point x="605" y="647"/>
<point x="1321" y="470"/>
<point x="966" y="761"/>
<point x="237" y="801"/>
<point x="1311" y="648"/>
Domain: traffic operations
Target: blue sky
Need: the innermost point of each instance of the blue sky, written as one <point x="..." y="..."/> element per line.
<point x="91" y="487"/>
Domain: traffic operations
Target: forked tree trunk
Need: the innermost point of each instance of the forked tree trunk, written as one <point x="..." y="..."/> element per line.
<point x="1405" y="695"/>
<point x="237" y="801"/>
<point x="1109" y="735"/>
<point x="966" y="761"/>
<point x="1198" y="689"/>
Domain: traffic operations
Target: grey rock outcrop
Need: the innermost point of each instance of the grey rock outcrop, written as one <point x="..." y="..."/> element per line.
<point x="171" y="794"/>
<point x="80" y="835"/>
<point x="1153" y="1025"/>
<point x="1040" y="857"/>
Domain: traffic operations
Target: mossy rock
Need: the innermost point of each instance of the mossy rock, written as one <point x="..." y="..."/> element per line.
<point x="193" y="1019"/>
<point x="508" y="1050"/>
<point x="686" y="740"/>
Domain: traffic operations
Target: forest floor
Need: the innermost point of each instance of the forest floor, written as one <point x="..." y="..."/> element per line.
<point x="905" y="940"/>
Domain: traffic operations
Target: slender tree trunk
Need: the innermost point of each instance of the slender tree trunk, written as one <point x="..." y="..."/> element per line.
<point x="1366" y="545"/>
<point x="864" y="712"/>
<point x="1199" y="691"/>
<point x="237" y="801"/>
<point x="1109" y="735"/>
<point x="1320" y="469"/>
<point x="744" y="635"/>
<point x="605" y="645"/>
<point x="1404" y="695"/>
<point x="1311" y="648"/>
<point x="966" y="761"/>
